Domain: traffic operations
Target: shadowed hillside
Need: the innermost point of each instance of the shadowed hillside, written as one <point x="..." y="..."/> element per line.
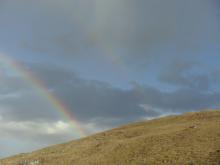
<point x="189" y="139"/>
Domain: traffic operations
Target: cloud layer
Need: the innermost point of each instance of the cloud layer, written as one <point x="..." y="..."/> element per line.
<point x="110" y="62"/>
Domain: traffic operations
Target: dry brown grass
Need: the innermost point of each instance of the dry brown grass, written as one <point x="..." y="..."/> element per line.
<point x="189" y="139"/>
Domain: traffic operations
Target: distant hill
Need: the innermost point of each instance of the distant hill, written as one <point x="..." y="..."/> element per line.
<point x="189" y="139"/>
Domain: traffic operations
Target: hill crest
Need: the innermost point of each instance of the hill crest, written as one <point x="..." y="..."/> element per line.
<point x="191" y="138"/>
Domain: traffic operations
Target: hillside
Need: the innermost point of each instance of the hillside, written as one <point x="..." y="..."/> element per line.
<point x="189" y="139"/>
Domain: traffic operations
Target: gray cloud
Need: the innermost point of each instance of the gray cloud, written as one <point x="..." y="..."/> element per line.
<point x="89" y="99"/>
<point x="180" y="73"/>
<point x="184" y="100"/>
<point x="92" y="100"/>
<point x="97" y="105"/>
<point x="130" y="30"/>
<point x="103" y="100"/>
<point x="147" y="35"/>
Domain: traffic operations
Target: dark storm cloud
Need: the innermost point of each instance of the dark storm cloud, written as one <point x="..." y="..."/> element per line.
<point x="181" y="100"/>
<point x="2" y="3"/>
<point x="27" y="106"/>
<point x="180" y="73"/>
<point x="131" y="29"/>
<point x="89" y="99"/>
<point x="20" y="100"/>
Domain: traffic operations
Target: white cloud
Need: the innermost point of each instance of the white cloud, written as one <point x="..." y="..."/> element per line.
<point x="34" y="128"/>
<point x="58" y="127"/>
<point x="26" y="136"/>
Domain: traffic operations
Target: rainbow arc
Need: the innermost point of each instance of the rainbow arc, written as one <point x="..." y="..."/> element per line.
<point x="43" y="91"/>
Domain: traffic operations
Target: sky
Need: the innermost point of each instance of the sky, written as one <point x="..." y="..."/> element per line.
<point x="105" y="62"/>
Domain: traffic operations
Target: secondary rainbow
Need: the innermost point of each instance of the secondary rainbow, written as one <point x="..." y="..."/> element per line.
<point x="43" y="91"/>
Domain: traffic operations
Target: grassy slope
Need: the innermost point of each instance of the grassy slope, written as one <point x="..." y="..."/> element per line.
<point x="192" y="138"/>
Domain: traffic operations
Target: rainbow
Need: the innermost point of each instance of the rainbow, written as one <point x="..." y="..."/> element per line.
<point x="43" y="91"/>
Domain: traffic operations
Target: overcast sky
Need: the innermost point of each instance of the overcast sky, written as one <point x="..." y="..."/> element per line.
<point x="111" y="62"/>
